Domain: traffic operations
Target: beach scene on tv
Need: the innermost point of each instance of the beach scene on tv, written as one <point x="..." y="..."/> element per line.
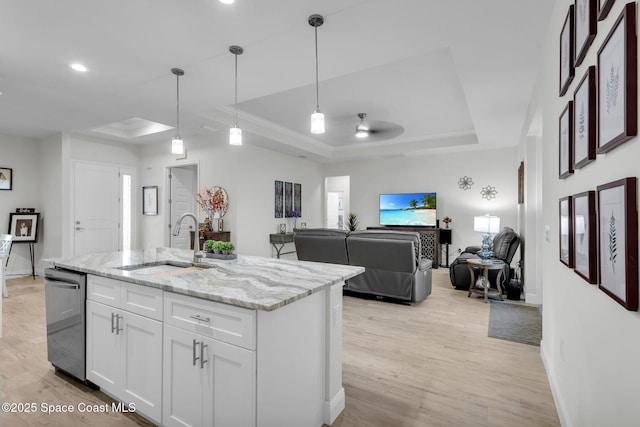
<point x="418" y="209"/>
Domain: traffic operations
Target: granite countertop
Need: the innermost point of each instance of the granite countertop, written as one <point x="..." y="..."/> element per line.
<point x="248" y="281"/>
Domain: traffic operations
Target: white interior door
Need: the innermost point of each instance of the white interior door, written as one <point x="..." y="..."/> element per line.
<point x="335" y="211"/>
<point x="96" y="202"/>
<point x="182" y="184"/>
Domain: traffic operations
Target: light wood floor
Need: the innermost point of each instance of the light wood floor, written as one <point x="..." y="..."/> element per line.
<point x="427" y="365"/>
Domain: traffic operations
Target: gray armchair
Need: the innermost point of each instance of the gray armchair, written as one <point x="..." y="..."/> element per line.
<point x="505" y="244"/>
<point x="392" y="263"/>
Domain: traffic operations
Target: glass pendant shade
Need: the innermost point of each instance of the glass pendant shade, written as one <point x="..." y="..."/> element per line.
<point x="177" y="146"/>
<point x="317" y="122"/>
<point x="235" y="135"/>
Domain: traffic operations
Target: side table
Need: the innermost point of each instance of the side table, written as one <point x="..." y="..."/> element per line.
<point x="281" y="239"/>
<point x="485" y="266"/>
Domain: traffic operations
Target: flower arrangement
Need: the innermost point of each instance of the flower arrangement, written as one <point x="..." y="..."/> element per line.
<point x="447" y="220"/>
<point x="295" y="214"/>
<point x="213" y="200"/>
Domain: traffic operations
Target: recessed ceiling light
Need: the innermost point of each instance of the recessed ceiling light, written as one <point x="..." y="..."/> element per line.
<point x="228" y="1"/>
<point x="78" y="67"/>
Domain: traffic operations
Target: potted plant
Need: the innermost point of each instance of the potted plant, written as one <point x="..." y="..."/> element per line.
<point x="208" y="245"/>
<point x="352" y="222"/>
<point x="227" y="248"/>
<point x="217" y="246"/>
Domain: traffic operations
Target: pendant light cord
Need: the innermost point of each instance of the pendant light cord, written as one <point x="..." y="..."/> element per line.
<point x="236" y="92"/>
<point x="178" y="102"/>
<point x="317" y="91"/>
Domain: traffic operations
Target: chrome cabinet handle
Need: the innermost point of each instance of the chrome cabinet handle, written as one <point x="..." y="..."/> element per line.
<point x="79" y="228"/>
<point x="195" y="358"/>
<point x="113" y="324"/>
<point x="203" y="346"/>
<point x="118" y="328"/>
<point x="200" y="318"/>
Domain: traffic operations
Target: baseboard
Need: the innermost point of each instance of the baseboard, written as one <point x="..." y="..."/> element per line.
<point x="334" y="407"/>
<point x="561" y="408"/>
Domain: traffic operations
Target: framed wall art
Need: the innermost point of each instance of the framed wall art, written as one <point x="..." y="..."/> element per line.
<point x="150" y="200"/>
<point x="585" y="250"/>
<point x="6" y="179"/>
<point x="617" y="83"/>
<point x="24" y="227"/>
<point x="520" y="184"/>
<point x="279" y="199"/>
<point x="566" y="231"/>
<point x="585" y="28"/>
<point x="584" y="120"/>
<point x="566" y="52"/>
<point x="618" y="241"/>
<point x="604" y="6"/>
<point x="288" y="199"/>
<point x="565" y="143"/>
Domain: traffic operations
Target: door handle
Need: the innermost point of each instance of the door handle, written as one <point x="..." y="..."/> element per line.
<point x="203" y="347"/>
<point x="195" y="358"/>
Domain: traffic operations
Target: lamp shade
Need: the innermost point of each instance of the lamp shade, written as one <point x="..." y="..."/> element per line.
<point x="486" y="224"/>
<point x="177" y="146"/>
<point x="317" y="122"/>
<point x="235" y="136"/>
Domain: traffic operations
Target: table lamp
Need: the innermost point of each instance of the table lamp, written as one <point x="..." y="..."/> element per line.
<point x="486" y="224"/>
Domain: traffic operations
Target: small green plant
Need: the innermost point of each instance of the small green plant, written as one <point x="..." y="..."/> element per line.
<point x="217" y="246"/>
<point x="208" y="245"/>
<point x="227" y="247"/>
<point x="352" y="222"/>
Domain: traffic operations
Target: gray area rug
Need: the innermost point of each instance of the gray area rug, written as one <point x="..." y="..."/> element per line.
<point x="515" y="322"/>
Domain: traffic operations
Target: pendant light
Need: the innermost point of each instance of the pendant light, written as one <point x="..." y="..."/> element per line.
<point x="362" y="129"/>
<point x="317" y="118"/>
<point x="235" y="133"/>
<point x="177" y="146"/>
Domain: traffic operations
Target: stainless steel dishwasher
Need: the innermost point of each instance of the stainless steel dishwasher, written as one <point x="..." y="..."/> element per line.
<point x="65" y="294"/>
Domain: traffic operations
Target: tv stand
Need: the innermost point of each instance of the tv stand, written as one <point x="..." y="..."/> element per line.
<point x="429" y="240"/>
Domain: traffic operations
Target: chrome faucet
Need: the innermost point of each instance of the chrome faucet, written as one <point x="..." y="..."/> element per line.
<point x="197" y="255"/>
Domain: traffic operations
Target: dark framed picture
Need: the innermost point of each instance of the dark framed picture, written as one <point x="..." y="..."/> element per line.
<point x="584" y="120"/>
<point x="604" y="6"/>
<point x="24" y="227"/>
<point x="150" y="200"/>
<point x="566" y="52"/>
<point x="585" y="28"/>
<point x="566" y="231"/>
<point x="278" y="199"/>
<point x="585" y="250"/>
<point x="565" y="150"/>
<point x="617" y="83"/>
<point x="6" y="179"/>
<point x="618" y="237"/>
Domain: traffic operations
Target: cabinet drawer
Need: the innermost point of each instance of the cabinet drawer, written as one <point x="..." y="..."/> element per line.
<point x="104" y="290"/>
<point x="233" y="325"/>
<point x="142" y="300"/>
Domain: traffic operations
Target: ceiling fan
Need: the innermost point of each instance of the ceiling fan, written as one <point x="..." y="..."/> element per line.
<point x="379" y="128"/>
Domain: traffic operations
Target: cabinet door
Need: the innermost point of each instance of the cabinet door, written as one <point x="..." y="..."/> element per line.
<point x="182" y="381"/>
<point x="142" y="368"/>
<point x="104" y="352"/>
<point x="229" y="385"/>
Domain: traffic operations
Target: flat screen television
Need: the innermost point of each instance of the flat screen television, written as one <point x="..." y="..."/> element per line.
<point x="408" y="209"/>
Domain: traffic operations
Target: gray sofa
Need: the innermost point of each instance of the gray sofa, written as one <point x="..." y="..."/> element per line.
<point x="393" y="267"/>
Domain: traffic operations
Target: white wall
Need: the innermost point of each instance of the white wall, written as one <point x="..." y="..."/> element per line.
<point x="439" y="172"/>
<point x="248" y="174"/>
<point x="21" y="155"/>
<point x="590" y="342"/>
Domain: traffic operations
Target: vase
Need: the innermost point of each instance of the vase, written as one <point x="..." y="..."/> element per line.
<point x="295" y="223"/>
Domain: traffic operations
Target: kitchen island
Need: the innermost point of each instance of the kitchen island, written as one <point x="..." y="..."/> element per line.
<point x="249" y="342"/>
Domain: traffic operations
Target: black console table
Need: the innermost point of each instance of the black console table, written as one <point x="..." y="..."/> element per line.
<point x="445" y="239"/>
<point x="281" y="239"/>
<point x="429" y="241"/>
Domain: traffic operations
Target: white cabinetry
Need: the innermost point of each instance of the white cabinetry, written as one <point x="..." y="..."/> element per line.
<point x="124" y="349"/>
<point x="208" y="382"/>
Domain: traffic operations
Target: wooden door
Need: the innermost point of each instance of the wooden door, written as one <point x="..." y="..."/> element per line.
<point x="95" y="208"/>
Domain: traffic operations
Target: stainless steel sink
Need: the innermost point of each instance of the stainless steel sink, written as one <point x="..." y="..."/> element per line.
<point x="162" y="268"/>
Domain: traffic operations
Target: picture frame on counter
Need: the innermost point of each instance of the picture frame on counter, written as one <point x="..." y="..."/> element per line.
<point x="150" y="200"/>
<point x="565" y="141"/>
<point x="6" y="179"/>
<point x="584" y="120"/>
<point x="604" y="6"/>
<point x="585" y="28"/>
<point x="566" y="71"/>
<point x="618" y="241"/>
<point x="565" y="228"/>
<point x="585" y="250"/>
<point x="617" y="83"/>
<point x="24" y="227"/>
